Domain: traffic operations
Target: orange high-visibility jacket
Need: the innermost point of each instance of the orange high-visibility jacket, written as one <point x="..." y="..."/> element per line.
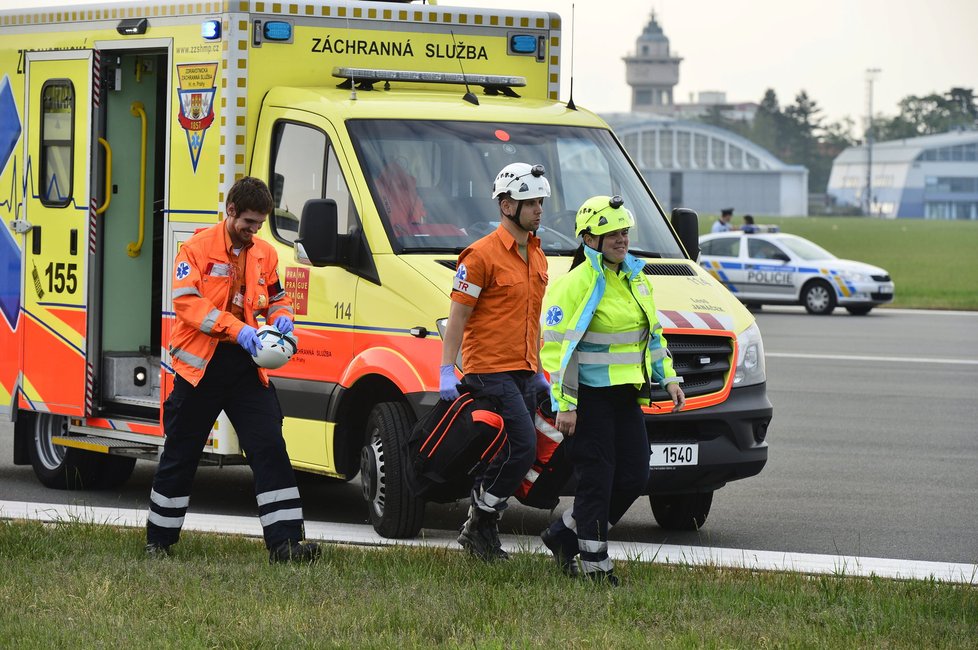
<point x="202" y="284"/>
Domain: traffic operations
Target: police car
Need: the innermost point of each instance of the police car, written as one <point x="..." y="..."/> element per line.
<point x="783" y="269"/>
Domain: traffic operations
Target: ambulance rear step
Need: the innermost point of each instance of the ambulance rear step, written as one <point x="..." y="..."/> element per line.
<point x="109" y="446"/>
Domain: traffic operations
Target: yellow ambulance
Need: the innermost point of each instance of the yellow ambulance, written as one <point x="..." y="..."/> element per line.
<point x="379" y="127"/>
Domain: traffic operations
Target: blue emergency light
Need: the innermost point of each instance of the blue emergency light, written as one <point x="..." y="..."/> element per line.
<point x="277" y="30"/>
<point x="523" y="44"/>
<point x="210" y="30"/>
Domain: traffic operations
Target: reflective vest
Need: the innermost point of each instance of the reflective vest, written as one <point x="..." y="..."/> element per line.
<point x="570" y="305"/>
<point x="202" y="284"/>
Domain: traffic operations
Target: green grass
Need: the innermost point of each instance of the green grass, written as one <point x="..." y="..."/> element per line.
<point x="934" y="264"/>
<point x="79" y="585"/>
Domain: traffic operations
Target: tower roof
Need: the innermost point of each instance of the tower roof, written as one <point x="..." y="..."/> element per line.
<point x="653" y="31"/>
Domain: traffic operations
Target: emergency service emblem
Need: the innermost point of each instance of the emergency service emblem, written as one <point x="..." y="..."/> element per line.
<point x="197" y="90"/>
<point x="183" y="270"/>
<point x="462" y="284"/>
<point x="553" y="316"/>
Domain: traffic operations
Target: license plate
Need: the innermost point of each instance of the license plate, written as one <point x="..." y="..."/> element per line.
<point x="672" y="455"/>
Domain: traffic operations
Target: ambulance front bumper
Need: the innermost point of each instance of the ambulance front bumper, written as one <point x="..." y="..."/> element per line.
<point x="707" y="448"/>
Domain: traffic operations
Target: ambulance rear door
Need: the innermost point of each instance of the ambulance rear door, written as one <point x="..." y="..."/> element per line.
<point x="57" y="117"/>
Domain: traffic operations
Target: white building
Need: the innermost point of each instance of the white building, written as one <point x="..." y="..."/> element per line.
<point x="698" y="166"/>
<point x="931" y="177"/>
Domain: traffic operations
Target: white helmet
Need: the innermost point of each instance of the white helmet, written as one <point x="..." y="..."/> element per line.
<point x="521" y="181"/>
<point x="276" y="348"/>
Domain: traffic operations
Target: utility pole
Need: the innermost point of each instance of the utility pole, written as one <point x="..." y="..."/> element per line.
<point x="870" y="78"/>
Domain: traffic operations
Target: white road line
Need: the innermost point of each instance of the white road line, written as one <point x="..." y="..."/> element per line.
<point x="659" y="553"/>
<point x="855" y="357"/>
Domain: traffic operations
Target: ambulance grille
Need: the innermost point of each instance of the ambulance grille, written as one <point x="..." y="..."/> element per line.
<point x="668" y="269"/>
<point x="702" y="361"/>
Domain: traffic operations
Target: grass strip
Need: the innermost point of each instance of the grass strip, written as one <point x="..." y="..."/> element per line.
<point x="84" y="585"/>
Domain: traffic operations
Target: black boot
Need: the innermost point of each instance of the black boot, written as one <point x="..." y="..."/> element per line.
<point x="480" y="535"/>
<point x="293" y="551"/>
<point x="563" y="545"/>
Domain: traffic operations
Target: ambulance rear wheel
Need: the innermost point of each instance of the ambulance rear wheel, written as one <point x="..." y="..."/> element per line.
<point x="66" y="468"/>
<point x="681" y="511"/>
<point x="818" y="298"/>
<point x="394" y="511"/>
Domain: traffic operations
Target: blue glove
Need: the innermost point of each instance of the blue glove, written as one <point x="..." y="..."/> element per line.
<point x="539" y="383"/>
<point x="248" y="339"/>
<point x="447" y="382"/>
<point x="283" y="324"/>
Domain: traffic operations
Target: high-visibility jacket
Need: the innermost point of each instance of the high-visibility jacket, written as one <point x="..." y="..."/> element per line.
<point x="202" y="285"/>
<point x="610" y="357"/>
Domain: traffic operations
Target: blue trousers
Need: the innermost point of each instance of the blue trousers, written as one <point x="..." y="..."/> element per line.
<point x="610" y="451"/>
<point x="231" y="384"/>
<point x="517" y="401"/>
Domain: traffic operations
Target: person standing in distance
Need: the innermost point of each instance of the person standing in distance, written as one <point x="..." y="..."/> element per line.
<point x="723" y="223"/>
<point x="495" y="319"/>
<point x="224" y="278"/>
<point x="603" y="347"/>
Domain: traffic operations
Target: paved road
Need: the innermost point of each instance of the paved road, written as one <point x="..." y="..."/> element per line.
<point x="874" y="450"/>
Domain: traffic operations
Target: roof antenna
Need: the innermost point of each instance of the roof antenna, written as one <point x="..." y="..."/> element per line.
<point x="468" y="96"/>
<point x="353" y="81"/>
<point x="570" y="102"/>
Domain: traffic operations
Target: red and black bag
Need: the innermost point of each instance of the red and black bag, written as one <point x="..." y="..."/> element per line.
<point x="552" y="469"/>
<point x="452" y="444"/>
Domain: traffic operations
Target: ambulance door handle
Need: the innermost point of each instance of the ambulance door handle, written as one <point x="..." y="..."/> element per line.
<point x="136" y="246"/>
<point x="108" y="176"/>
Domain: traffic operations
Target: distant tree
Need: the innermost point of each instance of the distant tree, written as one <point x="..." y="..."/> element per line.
<point x="933" y="113"/>
<point x="768" y="127"/>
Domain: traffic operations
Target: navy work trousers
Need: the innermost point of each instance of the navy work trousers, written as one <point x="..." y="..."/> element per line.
<point x="610" y="452"/>
<point x="231" y="384"/>
<point x="517" y="401"/>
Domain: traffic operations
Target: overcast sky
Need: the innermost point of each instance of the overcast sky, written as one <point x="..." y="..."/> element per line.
<point x="746" y="46"/>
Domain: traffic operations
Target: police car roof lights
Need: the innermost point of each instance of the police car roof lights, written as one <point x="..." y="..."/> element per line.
<point x="365" y="78"/>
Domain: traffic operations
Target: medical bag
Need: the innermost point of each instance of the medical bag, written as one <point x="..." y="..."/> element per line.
<point x="552" y="468"/>
<point x="452" y="444"/>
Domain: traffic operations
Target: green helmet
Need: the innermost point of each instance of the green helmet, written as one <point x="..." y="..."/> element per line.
<point x="602" y="214"/>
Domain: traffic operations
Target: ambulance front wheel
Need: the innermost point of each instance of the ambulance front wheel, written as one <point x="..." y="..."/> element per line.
<point x="67" y="468"/>
<point x="681" y="511"/>
<point x="394" y="511"/>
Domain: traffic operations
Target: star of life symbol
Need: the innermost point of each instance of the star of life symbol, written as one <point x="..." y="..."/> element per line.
<point x="554" y="315"/>
<point x="461" y="272"/>
<point x="183" y="270"/>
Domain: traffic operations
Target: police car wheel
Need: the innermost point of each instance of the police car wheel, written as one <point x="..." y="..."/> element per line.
<point x="67" y="468"/>
<point x="818" y="298"/>
<point x="394" y="511"/>
<point x="681" y="511"/>
<point x="859" y="311"/>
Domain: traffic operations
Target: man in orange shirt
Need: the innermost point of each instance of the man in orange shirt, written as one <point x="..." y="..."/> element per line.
<point x="495" y="319"/>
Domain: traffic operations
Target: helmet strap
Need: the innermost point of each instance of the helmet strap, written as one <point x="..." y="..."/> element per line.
<point x="516" y="217"/>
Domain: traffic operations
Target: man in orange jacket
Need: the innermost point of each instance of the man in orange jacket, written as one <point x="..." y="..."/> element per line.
<point x="224" y="278"/>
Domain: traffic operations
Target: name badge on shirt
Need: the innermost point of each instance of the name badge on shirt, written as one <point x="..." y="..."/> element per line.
<point x="238" y="299"/>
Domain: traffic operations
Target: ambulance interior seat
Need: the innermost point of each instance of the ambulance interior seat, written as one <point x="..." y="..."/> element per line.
<point x="410" y="215"/>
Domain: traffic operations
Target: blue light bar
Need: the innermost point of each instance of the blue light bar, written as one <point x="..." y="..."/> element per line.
<point x="210" y="30"/>
<point x="277" y="30"/>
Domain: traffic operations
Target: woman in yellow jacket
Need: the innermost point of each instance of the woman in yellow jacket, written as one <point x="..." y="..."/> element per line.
<point x="603" y="347"/>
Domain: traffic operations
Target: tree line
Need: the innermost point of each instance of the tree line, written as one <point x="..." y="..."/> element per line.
<point x="798" y="134"/>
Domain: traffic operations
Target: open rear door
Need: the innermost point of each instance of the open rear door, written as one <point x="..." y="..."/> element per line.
<point x="58" y="129"/>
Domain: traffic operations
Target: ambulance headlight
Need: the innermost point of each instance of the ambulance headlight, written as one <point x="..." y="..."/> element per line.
<point x="750" y="358"/>
<point x="442" y="325"/>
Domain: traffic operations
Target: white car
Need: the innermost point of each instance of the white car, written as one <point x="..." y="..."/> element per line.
<point x="783" y="269"/>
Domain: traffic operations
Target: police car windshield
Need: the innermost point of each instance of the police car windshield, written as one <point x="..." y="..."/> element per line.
<point x="805" y="249"/>
<point x="432" y="181"/>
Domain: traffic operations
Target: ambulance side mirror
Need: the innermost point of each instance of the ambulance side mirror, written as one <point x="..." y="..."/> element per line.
<point x="686" y="224"/>
<point x="318" y="240"/>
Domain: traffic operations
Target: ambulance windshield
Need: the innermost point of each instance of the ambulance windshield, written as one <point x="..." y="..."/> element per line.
<point x="432" y="181"/>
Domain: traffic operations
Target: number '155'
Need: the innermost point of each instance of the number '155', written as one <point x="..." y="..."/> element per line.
<point x="62" y="277"/>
